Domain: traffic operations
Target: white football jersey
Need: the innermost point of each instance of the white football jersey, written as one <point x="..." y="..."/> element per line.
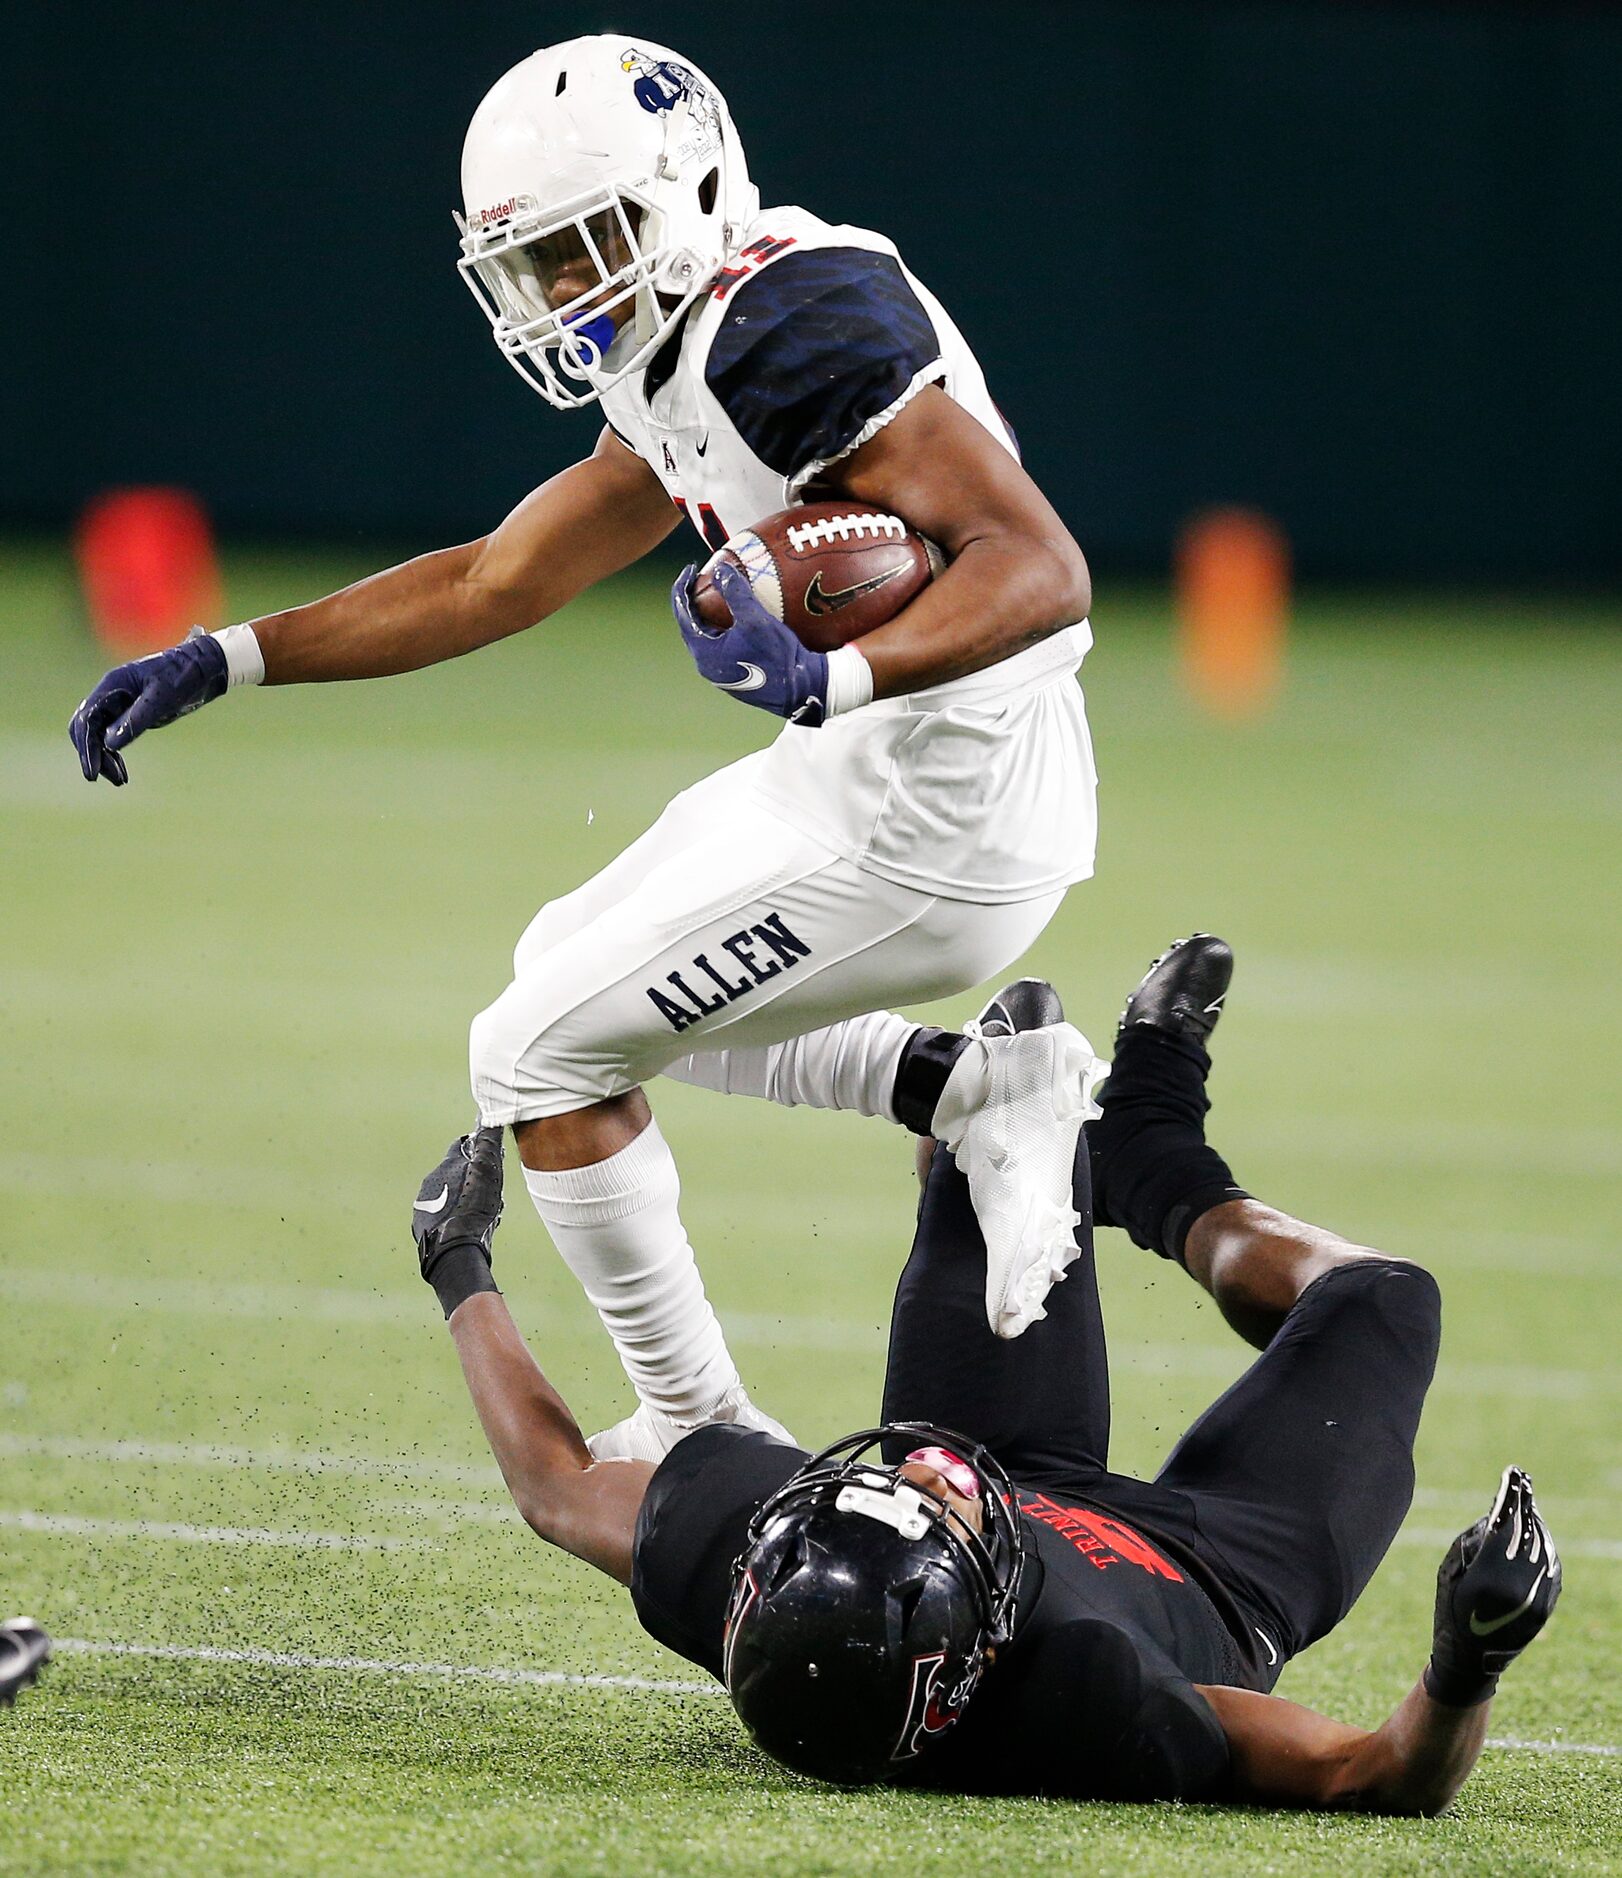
<point x="808" y="345"/>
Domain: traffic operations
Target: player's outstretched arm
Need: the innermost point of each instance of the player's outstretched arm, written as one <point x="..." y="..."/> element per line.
<point x="1014" y="574"/>
<point x="1495" y="1591"/>
<point x="587" y="1507"/>
<point x="589" y="521"/>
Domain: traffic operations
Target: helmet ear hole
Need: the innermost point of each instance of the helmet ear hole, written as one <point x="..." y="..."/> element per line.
<point x="792" y="1561"/>
<point x="905" y="1599"/>
<point x="707" y="191"/>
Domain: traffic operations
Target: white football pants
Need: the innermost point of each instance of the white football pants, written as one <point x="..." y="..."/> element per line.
<point x="724" y="948"/>
<point x="721" y="929"/>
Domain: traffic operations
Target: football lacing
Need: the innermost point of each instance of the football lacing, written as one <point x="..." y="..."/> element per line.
<point x="803" y="535"/>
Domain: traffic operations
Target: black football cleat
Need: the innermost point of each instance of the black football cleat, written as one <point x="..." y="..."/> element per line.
<point x="24" y="1651"/>
<point x="1182" y="992"/>
<point x="1026" y="1004"/>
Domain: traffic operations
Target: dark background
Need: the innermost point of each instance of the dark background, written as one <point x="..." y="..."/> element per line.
<point x="1360" y="265"/>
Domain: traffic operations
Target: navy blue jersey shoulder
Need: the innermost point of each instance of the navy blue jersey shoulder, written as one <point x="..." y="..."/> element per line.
<point x="813" y="347"/>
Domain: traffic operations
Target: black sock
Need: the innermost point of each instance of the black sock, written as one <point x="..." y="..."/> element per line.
<point x="1153" y="1174"/>
<point x="926" y="1062"/>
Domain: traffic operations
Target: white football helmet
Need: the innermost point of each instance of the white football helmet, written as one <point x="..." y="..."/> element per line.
<point x="604" y="188"/>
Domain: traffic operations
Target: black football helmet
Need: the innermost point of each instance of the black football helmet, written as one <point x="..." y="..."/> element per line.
<point x="864" y="1609"/>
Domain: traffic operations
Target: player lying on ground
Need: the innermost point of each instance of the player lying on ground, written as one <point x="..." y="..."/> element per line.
<point x="916" y="822"/>
<point x="992" y="1609"/>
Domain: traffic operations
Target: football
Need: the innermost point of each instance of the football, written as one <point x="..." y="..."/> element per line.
<point x="830" y="571"/>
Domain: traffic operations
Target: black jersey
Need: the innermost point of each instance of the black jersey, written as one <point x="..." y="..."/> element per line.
<point x="1094" y="1696"/>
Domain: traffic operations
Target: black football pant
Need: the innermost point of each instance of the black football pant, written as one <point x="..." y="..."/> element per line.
<point x="1288" y="1490"/>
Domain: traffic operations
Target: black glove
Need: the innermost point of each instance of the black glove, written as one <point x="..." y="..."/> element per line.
<point x="142" y="696"/>
<point x="454" y="1221"/>
<point x="1494" y="1593"/>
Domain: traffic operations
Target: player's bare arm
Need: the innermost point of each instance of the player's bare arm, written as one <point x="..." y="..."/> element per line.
<point x="1014" y="575"/>
<point x="1287" y="1755"/>
<point x="587" y="522"/>
<point x="586" y="1507"/>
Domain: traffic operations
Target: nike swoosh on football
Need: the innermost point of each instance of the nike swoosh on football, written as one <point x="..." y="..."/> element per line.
<point x="752" y="680"/>
<point x="819" y="602"/>
<point x="1479" y="1629"/>
<point x="434" y="1206"/>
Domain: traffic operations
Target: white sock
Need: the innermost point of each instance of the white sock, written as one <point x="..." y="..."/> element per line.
<point x="850" y="1065"/>
<point x="618" y="1229"/>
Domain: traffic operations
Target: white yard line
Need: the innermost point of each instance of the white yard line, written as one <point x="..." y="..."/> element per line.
<point x="79" y="1526"/>
<point x="110" y="1291"/>
<point x="317" y="1462"/>
<point x="758" y="1329"/>
<point x="228" y="1455"/>
<point x="382" y="1666"/>
<point x="549" y="1678"/>
<point x="1609" y="1550"/>
<point x="1552" y="1747"/>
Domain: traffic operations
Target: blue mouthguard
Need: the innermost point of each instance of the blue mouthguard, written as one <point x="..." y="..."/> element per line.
<point x="596" y="329"/>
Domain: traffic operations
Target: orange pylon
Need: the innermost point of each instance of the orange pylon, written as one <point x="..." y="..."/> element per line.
<point x="148" y="568"/>
<point x="1233" y="602"/>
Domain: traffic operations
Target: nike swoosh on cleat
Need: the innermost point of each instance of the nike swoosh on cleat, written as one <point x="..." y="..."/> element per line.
<point x="818" y="602"/>
<point x="1272" y="1654"/>
<point x="1479" y="1629"/>
<point x="752" y="680"/>
<point x="1214" y="1005"/>
<point x="434" y="1206"/>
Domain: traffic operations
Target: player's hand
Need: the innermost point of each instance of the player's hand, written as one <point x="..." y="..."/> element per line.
<point x="757" y="659"/>
<point x="144" y="695"/>
<point x="459" y="1204"/>
<point x="1494" y="1593"/>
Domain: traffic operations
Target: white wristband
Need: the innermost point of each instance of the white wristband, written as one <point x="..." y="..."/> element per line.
<point x="244" y="662"/>
<point x="850" y="681"/>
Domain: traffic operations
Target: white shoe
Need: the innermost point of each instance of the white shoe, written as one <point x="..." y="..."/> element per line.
<point x="649" y="1435"/>
<point x="1011" y="1116"/>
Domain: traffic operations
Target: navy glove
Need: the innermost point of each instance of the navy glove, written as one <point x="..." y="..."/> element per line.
<point x="1494" y="1593"/>
<point x="145" y="695"/>
<point x="757" y="658"/>
<point x="455" y="1218"/>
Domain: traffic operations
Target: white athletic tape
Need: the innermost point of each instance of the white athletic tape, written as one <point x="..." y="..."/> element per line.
<point x="77" y="1526"/>
<point x="549" y="1678"/>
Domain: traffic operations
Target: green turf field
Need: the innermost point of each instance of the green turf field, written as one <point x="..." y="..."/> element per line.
<point x="235" y="999"/>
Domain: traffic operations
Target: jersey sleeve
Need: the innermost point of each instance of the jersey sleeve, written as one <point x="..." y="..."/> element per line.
<point x="816" y="352"/>
<point x="693" y="1525"/>
<point x="1125" y="1723"/>
<point x="1090" y="1713"/>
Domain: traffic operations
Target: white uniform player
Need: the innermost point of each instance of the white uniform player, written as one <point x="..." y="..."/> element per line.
<point x="904" y="849"/>
<point x="913" y="826"/>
